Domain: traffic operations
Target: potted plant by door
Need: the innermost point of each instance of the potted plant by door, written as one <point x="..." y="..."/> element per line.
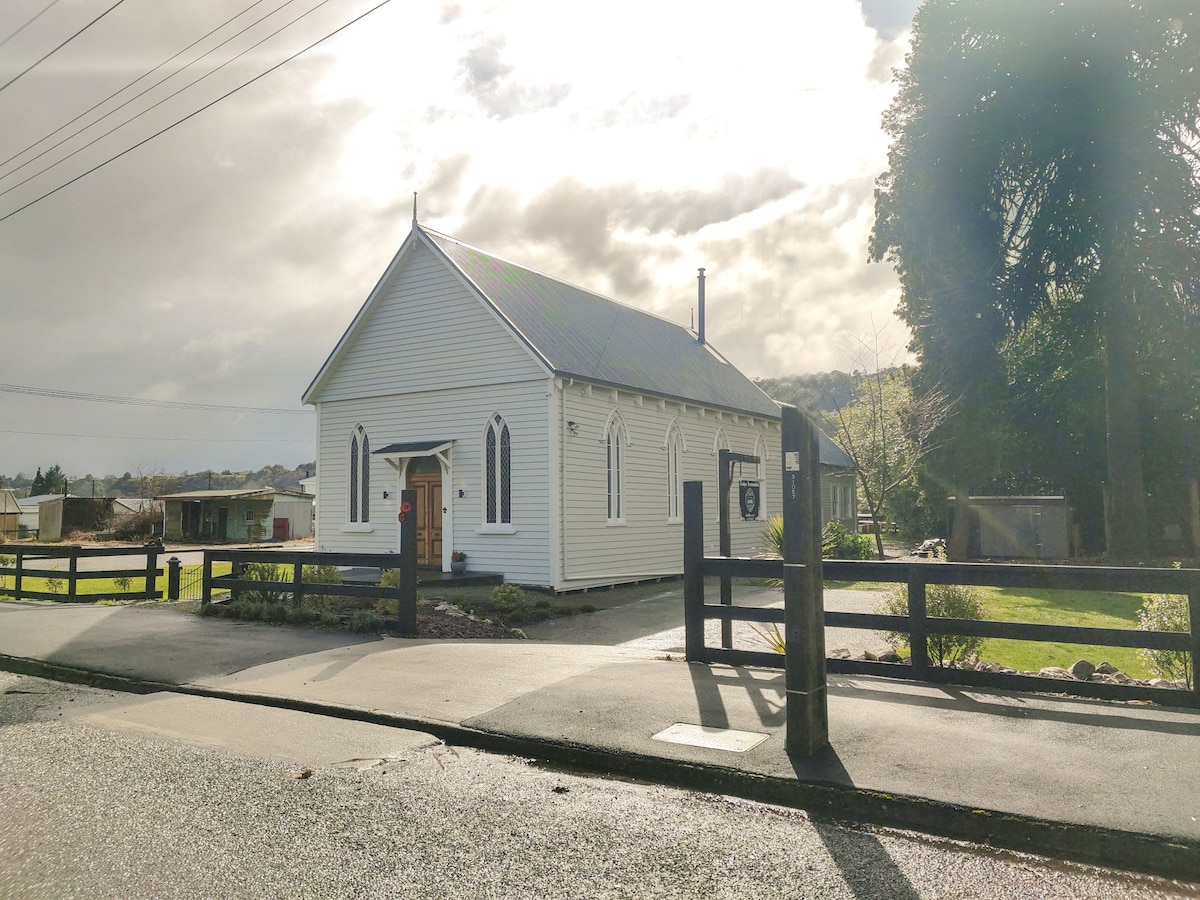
<point x="458" y="561"/>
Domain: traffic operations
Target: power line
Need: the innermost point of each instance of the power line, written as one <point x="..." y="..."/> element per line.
<point x="158" y="103"/>
<point x="190" y="115"/>
<point x="131" y="84"/>
<point x="141" y="401"/>
<point x="139" y="437"/>
<point x="63" y="44"/>
<point x="27" y="24"/>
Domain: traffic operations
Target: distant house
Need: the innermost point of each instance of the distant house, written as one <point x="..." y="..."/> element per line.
<point x="546" y="430"/>
<point x="10" y="516"/>
<point x="255" y="514"/>
<point x="31" y="511"/>
<point x="60" y="516"/>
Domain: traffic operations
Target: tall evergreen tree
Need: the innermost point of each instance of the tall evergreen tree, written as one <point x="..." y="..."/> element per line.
<point x="1044" y="191"/>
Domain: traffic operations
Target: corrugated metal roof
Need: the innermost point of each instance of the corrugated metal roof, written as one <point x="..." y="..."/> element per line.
<point x="582" y="334"/>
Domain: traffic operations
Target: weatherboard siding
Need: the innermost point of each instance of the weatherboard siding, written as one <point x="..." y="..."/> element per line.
<point x="458" y="414"/>
<point x="596" y="552"/>
<point x="425" y="330"/>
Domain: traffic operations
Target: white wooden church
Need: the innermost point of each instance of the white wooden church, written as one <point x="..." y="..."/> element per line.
<point x="547" y="430"/>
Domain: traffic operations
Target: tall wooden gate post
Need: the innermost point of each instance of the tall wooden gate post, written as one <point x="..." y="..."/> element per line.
<point x="406" y="607"/>
<point x="724" y="480"/>
<point x="693" y="577"/>
<point x="803" y="598"/>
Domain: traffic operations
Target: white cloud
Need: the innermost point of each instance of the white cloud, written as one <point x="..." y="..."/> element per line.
<point x="618" y="146"/>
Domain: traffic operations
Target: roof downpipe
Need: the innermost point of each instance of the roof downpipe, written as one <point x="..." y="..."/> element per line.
<point x="700" y="307"/>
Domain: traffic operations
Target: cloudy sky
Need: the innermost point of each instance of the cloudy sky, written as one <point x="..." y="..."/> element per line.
<point x="618" y="146"/>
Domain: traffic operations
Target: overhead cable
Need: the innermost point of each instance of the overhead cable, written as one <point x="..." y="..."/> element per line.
<point x="63" y="44"/>
<point x="157" y="103"/>
<point x="96" y="106"/>
<point x="139" y="437"/>
<point x="196" y="112"/>
<point x="142" y="401"/>
<point x="27" y="24"/>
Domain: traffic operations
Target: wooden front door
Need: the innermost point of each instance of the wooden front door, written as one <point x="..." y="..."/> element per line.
<point x="428" y="486"/>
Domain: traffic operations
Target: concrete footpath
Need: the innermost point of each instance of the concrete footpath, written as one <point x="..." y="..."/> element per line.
<point x="1106" y="783"/>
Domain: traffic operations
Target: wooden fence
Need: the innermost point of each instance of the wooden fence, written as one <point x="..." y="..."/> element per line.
<point x="146" y="575"/>
<point x="405" y="595"/>
<point x="918" y="625"/>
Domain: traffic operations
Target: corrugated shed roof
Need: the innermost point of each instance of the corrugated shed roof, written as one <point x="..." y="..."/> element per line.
<point x="582" y="334"/>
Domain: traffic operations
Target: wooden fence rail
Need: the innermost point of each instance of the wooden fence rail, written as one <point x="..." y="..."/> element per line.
<point x="149" y="573"/>
<point x="405" y="595"/>
<point x="918" y="625"/>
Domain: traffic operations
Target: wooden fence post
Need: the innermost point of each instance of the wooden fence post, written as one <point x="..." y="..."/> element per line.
<point x="72" y="576"/>
<point x="724" y="477"/>
<point x="918" y="633"/>
<point x="1193" y="600"/>
<point x="152" y="572"/>
<point x="17" y="576"/>
<point x="803" y="600"/>
<point x="406" y="607"/>
<point x="693" y="575"/>
<point x="173" y="577"/>
<point x="297" y="581"/>
<point x="206" y="580"/>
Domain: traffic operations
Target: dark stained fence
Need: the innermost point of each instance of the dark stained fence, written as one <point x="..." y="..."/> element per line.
<point x="918" y="625"/>
<point x="405" y="561"/>
<point x="13" y="578"/>
<point x="296" y="587"/>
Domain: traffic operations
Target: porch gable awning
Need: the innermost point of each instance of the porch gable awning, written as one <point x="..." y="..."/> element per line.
<point x="413" y="448"/>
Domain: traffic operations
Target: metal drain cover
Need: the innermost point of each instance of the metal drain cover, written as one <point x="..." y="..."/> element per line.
<point x="711" y="738"/>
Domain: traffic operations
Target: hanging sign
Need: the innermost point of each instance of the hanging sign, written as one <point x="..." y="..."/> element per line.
<point x="749" y="495"/>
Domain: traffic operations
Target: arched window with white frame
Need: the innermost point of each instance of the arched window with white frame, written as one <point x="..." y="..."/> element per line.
<point x="497" y="472"/>
<point x="616" y="443"/>
<point x="720" y="442"/>
<point x="675" y="447"/>
<point x="760" y="473"/>
<point x="360" y="476"/>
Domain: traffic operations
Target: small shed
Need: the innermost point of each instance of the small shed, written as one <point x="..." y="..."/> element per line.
<point x="10" y="516"/>
<point x="59" y="516"/>
<point x="1018" y="527"/>
<point x="255" y="514"/>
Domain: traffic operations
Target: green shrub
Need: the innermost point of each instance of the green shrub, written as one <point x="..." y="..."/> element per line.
<point x="274" y="612"/>
<point x="390" y="578"/>
<point x="507" y="595"/>
<point x="323" y="574"/>
<point x="1167" y="612"/>
<point x="265" y="572"/>
<point x="387" y="607"/>
<point x="838" y="543"/>
<point x="946" y="601"/>
<point x="364" y="621"/>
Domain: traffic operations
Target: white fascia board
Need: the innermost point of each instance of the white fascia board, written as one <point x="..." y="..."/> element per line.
<point x="309" y="397"/>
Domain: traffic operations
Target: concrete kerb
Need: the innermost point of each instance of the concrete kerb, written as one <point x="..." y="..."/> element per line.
<point x="1093" y="845"/>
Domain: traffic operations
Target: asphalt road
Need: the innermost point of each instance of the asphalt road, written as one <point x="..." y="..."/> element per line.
<point x="109" y="795"/>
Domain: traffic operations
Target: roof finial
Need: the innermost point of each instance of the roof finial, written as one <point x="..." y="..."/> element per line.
<point x="414" y="207"/>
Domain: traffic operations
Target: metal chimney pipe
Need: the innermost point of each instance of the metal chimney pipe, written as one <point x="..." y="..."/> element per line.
<point x="700" y="315"/>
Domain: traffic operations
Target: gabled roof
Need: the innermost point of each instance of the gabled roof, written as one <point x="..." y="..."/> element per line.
<point x="576" y="333"/>
<point x="243" y="494"/>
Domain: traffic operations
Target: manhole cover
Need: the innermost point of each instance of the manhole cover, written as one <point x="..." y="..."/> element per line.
<point x="712" y="738"/>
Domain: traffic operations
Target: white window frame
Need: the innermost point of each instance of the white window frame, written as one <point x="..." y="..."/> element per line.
<point x="760" y="473"/>
<point x="675" y="446"/>
<point x="500" y="475"/>
<point x="358" y="480"/>
<point x="616" y="447"/>
<point x="720" y="442"/>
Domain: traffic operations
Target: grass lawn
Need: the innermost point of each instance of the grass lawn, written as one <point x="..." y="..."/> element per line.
<point x="101" y="588"/>
<point x="1093" y="609"/>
